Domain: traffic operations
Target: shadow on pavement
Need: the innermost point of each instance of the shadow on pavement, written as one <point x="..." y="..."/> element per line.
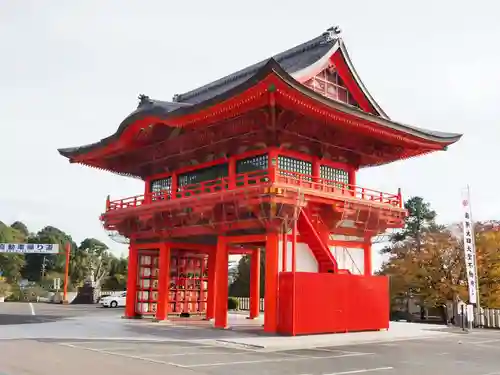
<point x="27" y="319"/>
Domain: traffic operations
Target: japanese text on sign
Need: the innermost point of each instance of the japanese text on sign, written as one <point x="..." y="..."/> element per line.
<point x="29" y="248"/>
<point x="470" y="251"/>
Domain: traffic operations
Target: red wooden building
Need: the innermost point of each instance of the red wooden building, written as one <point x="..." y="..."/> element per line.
<point x="265" y="158"/>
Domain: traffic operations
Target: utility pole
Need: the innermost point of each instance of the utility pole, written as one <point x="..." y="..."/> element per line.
<point x="43" y="268"/>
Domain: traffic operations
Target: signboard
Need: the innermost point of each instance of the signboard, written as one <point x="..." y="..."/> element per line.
<point x="469" y="249"/>
<point x="29" y="248"/>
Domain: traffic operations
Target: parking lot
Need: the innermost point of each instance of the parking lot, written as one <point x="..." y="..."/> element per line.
<point x="179" y="350"/>
<point x="473" y="354"/>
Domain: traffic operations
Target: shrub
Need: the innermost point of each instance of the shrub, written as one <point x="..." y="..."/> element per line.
<point x="233" y="303"/>
<point x="4" y="289"/>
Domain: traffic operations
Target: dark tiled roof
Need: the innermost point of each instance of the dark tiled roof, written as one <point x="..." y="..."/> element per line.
<point x="291" y="61"/>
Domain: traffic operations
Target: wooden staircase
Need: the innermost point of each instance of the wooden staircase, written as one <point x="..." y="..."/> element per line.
<point x="317" y="242"/>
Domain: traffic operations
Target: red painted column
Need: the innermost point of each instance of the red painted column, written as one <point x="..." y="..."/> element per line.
<point x="352" y="181"/>
<point x="163" y="283"/>
<point x="131" y="280"/>
<point x="254" y="284"/>
<point x="173" y="186"/>
<point x="221" y="275"/>
<point x="284" y="250"/>
<point x="212" y="287"/>
<point x="232" y="172"/>
<point x="367" y="247"/>
<point x="271" y="295"/>
<point x="294" y="245"/>
<point x="316" y="170"/>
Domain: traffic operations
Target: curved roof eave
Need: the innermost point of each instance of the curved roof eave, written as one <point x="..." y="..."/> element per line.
<point x="431" y="135"/>
<point x="358" y="80"/>
<point x="159" y="111"/>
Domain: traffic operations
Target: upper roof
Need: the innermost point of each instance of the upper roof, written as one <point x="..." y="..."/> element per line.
<point x="295" y="66"/>
<point x="291" y="61"/>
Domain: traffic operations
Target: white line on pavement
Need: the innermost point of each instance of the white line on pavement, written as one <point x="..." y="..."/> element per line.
<point x="32" y="309"/>
<point x="190" y="353"/>
<point x="484" y="341"/>
<point x="361" y="371"/>
<point x="123" y="355"/>
<point x="272" y="360"/>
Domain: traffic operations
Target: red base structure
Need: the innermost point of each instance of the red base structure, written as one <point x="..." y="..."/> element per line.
<point x="312" y="303"/>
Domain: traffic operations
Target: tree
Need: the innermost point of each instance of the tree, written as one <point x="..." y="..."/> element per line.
<point x="421" y="218"/>
<point x="53" y="262"/>
<point x="488" y="264"/>
<point x="241" y="285"/>
<point x="432" y="271"/>
<point x="21" y="227"/>
<point x="11" y="264"/>
<point x="96" y="259"/>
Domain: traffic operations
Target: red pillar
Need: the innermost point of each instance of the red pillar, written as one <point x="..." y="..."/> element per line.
<point x="131" y="281"/>
<point x="221" y="275"/>
<point x="163" y="283"/>
<point x="271" y="296"/>
<point x="232" y="173"/>
<point x="367" y="247"/>
<point x="284" y="250"/>
<point x="255" y="284"/>
<point x="212" y="288"/>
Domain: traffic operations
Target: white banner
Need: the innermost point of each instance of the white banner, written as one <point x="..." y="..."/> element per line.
<point x="469" y="249"/>
<point x="29" y="248"/>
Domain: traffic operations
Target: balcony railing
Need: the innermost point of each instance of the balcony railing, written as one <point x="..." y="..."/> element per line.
<point x="269" y="177"/>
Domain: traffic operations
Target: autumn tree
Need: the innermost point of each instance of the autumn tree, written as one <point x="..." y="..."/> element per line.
<point x="488" y="264"/>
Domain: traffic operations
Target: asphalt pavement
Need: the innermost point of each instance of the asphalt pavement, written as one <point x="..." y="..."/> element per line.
<point x="178" y="350"/>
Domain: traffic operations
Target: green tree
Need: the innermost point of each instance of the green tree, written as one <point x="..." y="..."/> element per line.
<point x="241" y="285"/>
<point x="11" y="264"/>
<point x="21" y="227"/>
<point x="53" y="262"/>
<point x="94" y="259"/>
<point x="421" y="218"/>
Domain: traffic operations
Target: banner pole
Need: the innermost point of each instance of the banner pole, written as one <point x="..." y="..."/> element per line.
<point x="66" y="274"/>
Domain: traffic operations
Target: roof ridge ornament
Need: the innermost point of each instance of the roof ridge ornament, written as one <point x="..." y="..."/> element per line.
<point x="332" y="33"/>
<point x="144" y="100"/>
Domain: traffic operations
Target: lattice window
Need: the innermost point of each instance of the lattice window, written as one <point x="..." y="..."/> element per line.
<point x="161" y="185"/>
<point x="333" y="175"/>
<point x="252" y="166"/>
<point x="191" y="180"/>
<point x="298" y="166"/>
<point x="328" y="83"/>
<point x="255" y="163"/>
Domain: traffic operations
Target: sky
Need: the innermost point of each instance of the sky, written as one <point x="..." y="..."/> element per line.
<point x="71" y="71"/>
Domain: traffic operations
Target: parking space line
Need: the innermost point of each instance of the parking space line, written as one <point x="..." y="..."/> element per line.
<point x="484" y="341"/>
<point x="124" y="355"/>
<point x="361" y="371"/>
<point x="32" y="309"/>
<point x="132" y="348"/>
<point x="337" y="351"/>
<point x="272" y="360"/>
<point x="191" y="353"/>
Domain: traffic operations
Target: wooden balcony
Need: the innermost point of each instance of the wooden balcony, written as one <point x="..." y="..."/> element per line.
<point x="262" y="181"/>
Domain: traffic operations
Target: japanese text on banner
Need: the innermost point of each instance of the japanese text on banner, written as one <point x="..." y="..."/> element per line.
<point x="470" y="252"/>
<point x="28" y="248"/>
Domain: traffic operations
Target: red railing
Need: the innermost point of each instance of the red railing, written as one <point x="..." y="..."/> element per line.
<point x="256" y="178"/>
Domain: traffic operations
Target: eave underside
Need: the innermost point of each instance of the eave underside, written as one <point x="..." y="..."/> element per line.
<point x="271" y="109"/>
<point x="171" y="148"/>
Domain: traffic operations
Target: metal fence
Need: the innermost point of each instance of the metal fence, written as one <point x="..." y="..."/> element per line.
<point x="487" y="318"/>
<point x="244" y="303"/>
